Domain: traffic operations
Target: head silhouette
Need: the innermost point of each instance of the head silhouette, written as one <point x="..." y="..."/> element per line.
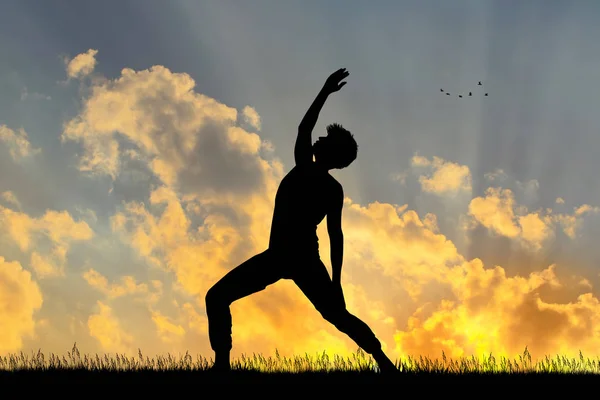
<point x="337" y="150"/>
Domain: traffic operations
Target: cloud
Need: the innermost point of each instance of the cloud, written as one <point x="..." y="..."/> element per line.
<point x="182" y="138"/>
<point x="128" y="285"/>
<point x="251" y="117"/>
<point x="106" y="328"/>
<point x="195" y="321"/>
<point x="398" y="243"/>
<point x="11" y="198"/>
<point x="18" y="143"/>
<point x="82" y="64"/>
<point x="499" y="314"/>
<point x="35" y="95"/>
<point x="530" y="189"/>
<point x="399" y="177"/>
<point x="51" y="264"/>
<point x="48" y="237"/>
<point x="208" y="207"/>
<point x="497" y="175"/>
<point x="168" y="332"/>
<point x="498" y="212"/>
<point x="444" y="177"/>
<point x="20" y="299"/>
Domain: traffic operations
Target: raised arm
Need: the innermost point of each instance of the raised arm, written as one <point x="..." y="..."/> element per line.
<point x="303" y="147"/>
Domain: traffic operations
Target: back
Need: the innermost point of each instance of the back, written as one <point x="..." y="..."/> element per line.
<point x="301" y="203"/>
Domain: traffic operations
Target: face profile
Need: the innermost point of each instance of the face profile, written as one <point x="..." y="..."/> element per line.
<point x="338" y="149"/>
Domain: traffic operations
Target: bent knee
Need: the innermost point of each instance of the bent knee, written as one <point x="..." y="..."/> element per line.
<point x="213" y="296"/>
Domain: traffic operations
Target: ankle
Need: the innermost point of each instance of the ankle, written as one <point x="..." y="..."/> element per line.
<point x="222" y="358"/>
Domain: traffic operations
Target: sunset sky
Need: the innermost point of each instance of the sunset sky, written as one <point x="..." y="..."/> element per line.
<point x="142" y="142"/>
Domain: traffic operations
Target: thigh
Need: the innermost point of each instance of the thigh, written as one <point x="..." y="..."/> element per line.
<point x="313" y="280"/>
<point x="251" y="276"/>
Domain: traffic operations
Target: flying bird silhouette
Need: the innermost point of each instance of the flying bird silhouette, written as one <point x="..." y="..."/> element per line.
<point x="485" y="94"/>
<point x="460" y="95"/>
<point x="479" y="84"/>
<point x="441" y="90"/>
<point x="470" y="94"/>
<point x="447" y="94"/>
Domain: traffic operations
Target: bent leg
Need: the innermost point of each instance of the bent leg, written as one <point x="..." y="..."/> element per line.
<point x="315" y="283"/>
<point x="252" y="276"/>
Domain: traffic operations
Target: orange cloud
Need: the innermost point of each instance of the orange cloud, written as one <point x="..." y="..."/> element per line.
<point x="499" y="314"/>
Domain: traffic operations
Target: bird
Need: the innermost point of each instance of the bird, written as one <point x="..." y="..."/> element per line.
<point x="442" y="90"/>
<point x="447" y="94"/>
<point x="460" y="95"/>
<point x="470" y="94"/>
<point x="479" y="84"/>
<point x="485" y="94"/>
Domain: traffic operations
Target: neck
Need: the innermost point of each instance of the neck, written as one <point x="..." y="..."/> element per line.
<point x="322" y="166"/>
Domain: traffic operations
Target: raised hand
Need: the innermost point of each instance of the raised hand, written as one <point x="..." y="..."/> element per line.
<point x="333" y="82"/>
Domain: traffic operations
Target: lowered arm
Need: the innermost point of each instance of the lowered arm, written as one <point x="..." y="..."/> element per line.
<point x="336" y="236"/>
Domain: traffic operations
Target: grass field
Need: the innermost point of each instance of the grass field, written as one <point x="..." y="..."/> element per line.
<point x="359" y="368"/>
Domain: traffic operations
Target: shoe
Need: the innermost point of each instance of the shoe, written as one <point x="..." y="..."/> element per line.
<point x="387" y="367"/>
<point x="220" y="368"/>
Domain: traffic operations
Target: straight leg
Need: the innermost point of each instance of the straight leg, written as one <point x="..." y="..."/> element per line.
<point x="314" y="281"/>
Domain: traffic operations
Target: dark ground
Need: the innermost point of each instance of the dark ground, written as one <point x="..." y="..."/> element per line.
<point x="245" y="377"/>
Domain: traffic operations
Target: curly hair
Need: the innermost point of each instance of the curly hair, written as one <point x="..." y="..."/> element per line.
<point x="346" y="148"/>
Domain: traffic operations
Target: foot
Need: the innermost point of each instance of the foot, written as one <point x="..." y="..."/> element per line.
<point x="221" y="362"/>
<point x="386" y="366"/>
<point x="220" y="367"/>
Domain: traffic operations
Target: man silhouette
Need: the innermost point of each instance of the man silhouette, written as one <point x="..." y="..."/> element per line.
<point x="305" y="196"/>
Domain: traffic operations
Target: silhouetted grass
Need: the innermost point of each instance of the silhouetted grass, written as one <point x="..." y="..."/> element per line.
<point x="358" y="368"/>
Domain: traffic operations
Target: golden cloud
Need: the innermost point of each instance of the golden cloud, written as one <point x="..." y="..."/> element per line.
<point x="82" y="64"/>
<point x="167" y="330"/>
<point x="58" y="227"/>
<point x="445" y="177"/>
<point x="106" y="328"/>
<point x="499" y="314"/>
<point x="20" y="298"/>
<point x="498" y="212"/>
<point x="128" y="285"/>
<point x="212" y="210"/>
<point x="18" y="143"/>
<point x="11" y="198"/>
<point x="251" y="117"/>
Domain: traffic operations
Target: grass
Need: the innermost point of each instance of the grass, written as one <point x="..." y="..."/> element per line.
<point x="357" y="368"/>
